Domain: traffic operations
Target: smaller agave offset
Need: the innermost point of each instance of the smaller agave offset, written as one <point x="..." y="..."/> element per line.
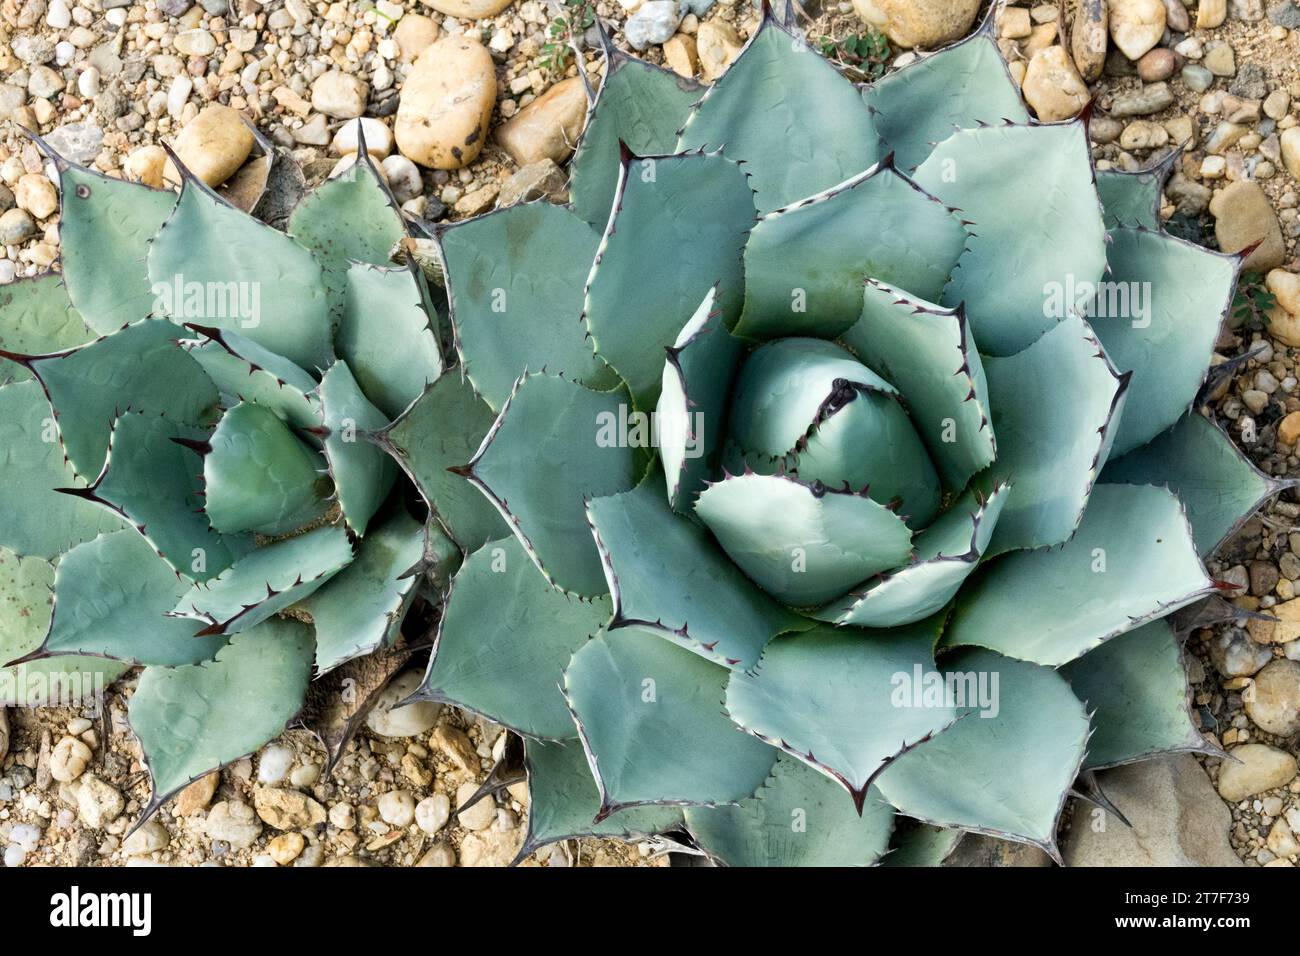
<point x="829" y="464"/>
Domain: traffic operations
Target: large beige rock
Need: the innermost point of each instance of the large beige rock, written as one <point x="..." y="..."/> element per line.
<point x="1252" y="769"/>
<point x="919" y="23"/>
<point x="548" y="127"/>
<point x="212" y="145"/>
<point x="1053" y="86"/>
<point x="446" y="103"/>
<point x="469" y="9"/>
<point x="1244" y="216"/>
<point x="1177" y="819"/>
<point x="1136" y="26"/>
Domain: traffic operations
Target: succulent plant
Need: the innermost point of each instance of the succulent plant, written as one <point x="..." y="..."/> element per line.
<point x="830" y="462"/>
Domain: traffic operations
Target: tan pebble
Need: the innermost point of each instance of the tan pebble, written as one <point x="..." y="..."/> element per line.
<point x="446" y="104"/>
<point x="212" y="146"/>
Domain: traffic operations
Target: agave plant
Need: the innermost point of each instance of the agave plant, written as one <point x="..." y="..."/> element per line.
<point x="831" y="460"/>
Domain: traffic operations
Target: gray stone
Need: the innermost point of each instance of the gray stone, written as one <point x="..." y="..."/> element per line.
<point x="33" y="49"/>
<point x="1197" y="78"/>
<point x="16" y="226"/>
<point x="1250" y="82"/>
<point x="1150" y="99"/>
<point x="79" y="142"/>
<point x="1177" y="818"/>
<point x="1285" y="14"/>
<point x="174" y="8"/>
<point x="653" y="23"/>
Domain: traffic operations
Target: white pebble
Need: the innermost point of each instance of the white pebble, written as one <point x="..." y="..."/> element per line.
<point x="64" y="52"/>
<point x="179" y="94"/>
<point x="403" y="178"/>
<point x="432" y="813"/>
<point x="274" y="764"/>
<point x="15" y="856"/>
<point x="379" y="138"/>
<point x="27" y="836"/>
<point x="88" y="82"/>
<point x="58" y="15"/>
<point x="397" y="808"/>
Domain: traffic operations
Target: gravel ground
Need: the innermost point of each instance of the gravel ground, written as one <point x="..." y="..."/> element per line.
<point x="108" y="80"/>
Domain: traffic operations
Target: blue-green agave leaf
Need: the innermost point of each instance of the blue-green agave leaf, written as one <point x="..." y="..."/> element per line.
<point x="667" y="576"/>
<point x="925" y="351"/>
<point x="946" y="554"/>
<point x="1131" y="561"/>
<point x="141" y="367"/>
<point x="1217" y="484"/>
<point x="555" y="445"/>
<point x="648" y="715"/>
<point x="691" y="413"/>
<point x="105" y="227"/>
<point x="266" y="581"/>
<point x="153" y="479"/>
<point x="783" y="389"/>
<point x="695" y="211"/>
<point x="1056" y="238"/>
<point x="963" y="86"/>
<point x="361" y="609"/>
<point x="34" y="519"/>
<point x="1133" y="198"/>
<point x="1136" y="687"/>
<point x="195" y="719"/>
<point x="37" y="318"/>
<point x="363" y="474"/>
<point x="111" y="599"/>
<point x="504" y="640"/>
<point x="1056" y="408"/>
<point x="799" y="817"/>
<point x="564" y="801"/>
<point x="639" y="105"/>
<point x="442" y="430"/>
<point x="802" y="543"/>
<point x="1005" y="767"/>
<point x="921" y="844"/>
<point x="515" y="279"/>
<point x="243" y="371"/>
<point x="213" y="265"/>
<point x="1158" y="315"/>
<point x="800" y="126"/>
<point x="349" y="218"/>
<point x="805" y="263"/>
<point x="25" y="589"/>
<point x="258" y="476"/>
<point x="387" y="335"/>
<point x="827" y="697"/>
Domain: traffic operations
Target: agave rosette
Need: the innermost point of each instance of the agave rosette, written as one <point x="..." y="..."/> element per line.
<point x="814" y="399"/>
